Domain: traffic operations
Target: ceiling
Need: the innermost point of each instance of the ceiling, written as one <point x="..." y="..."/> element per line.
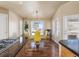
<point x="27" y="9"/>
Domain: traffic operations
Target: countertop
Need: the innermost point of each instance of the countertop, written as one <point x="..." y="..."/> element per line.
<point x="4" y="49"/>
<point x="72" y="45"/>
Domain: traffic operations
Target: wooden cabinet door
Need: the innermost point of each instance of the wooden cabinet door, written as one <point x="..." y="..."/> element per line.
<point x="14" y="49"/>
<point x="4" y="54"/>
<point x="66" y="53"/>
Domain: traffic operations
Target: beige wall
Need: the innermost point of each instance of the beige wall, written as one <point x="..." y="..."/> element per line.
<point x="47" y="24"/>
<point x="3" y="10"/>
<point x="70" y="8"/>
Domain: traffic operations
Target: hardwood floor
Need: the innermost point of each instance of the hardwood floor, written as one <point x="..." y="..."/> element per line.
<point x="46" y="49"/>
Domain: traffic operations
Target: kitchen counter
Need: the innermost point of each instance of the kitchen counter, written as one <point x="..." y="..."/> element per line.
<point x="7" y="46"/>
<point x="71" y="45"/>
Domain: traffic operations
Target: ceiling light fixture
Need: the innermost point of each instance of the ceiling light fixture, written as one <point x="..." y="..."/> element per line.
<point x="20" y="2"/>
<point x="36" y="14"/>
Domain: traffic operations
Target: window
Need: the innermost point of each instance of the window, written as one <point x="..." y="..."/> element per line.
<point x="37" y="25"/>
<point x="56" y="27"/>
<point x="14" y="25"/>
<point x="70" y="27"/>
<point x="3" y="26"/>
<point x="21" y="28"/>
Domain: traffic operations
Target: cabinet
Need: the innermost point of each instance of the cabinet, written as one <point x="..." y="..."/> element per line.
<point x="4" y="54"/>
<point x="14" y="49"/>
<point x="66" y="53"/>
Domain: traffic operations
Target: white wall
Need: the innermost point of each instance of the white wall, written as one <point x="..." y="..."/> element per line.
<point x="3" y="26"/>
<point x="3" y="23"/>
<point x="14" y="24"/>
<point x="10" y="24"/>
<point x="70" y="8"/>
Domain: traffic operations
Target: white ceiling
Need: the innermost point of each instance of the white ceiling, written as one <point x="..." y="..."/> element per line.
<point x="46" y="9"/>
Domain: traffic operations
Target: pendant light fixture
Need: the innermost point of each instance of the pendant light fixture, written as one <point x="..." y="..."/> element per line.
<point x="37" y="14"/>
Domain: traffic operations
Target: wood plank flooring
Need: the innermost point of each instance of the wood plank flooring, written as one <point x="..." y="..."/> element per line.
<point x="46" y="49"/>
